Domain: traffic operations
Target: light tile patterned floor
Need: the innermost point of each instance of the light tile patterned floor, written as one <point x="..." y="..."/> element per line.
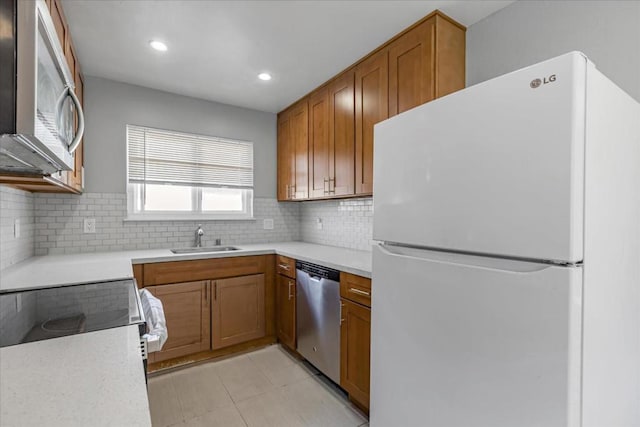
<point x="265" y="388"/>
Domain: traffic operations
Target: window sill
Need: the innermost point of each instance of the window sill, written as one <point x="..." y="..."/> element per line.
<point x="147" y="218"/>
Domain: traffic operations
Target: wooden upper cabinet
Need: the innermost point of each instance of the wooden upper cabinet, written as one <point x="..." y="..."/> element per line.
<point x="332" y="138"/>
<point x="422" y="63"/>
<point x="319" y="150"/>
<point x="300" y="143"/>
<point x="293" y="152"/>
<point x="285" y="157"/>
<point x="425" y="63"/>
<point x="411" y="68"/>
<point x="79" y="153"/>
<point x="372" y="106"/>
<point x="450" y="47"/>
<point x="238" y="310"/>
<point x="188" y="315"/>
<point x="342" y="134"/>
<point x="59" y="23"/>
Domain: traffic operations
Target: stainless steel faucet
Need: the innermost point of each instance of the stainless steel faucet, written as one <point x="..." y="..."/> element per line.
<point x="199" y="234"/>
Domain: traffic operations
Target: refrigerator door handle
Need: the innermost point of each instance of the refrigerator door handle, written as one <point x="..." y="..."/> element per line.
<point x="485" y="262"/>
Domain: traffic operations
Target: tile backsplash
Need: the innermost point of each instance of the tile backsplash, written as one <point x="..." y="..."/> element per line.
<point x="16" y="205"/>
<point x="59" y="222"/>
<point x="53" y="224"/>
<point x="345" y="223"/>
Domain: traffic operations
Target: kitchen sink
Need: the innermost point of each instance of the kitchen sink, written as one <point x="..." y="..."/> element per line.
<point x="204" y="250"/>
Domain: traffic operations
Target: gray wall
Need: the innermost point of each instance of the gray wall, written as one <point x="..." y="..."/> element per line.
<point x="526" y="32"/>
<point x="111" y="105"/>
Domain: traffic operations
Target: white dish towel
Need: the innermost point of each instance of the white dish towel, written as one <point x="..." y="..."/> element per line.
<point x="157" y="333"/>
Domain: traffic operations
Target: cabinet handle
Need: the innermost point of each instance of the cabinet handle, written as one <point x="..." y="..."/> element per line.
<point x="293" y="191"/>
<point x="215" y="291"/>
<point x="334" y="185"/>
<point x="284" y="266"/>
<point x="324" y="186"/>
<point x="206" y="293"/>
<point x="290" y="295"/>
<point x="288" y="187"/>
<point x="341" y="319"/>
<point x="359" y="292"/>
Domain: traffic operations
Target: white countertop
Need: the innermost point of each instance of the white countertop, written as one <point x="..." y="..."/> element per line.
<point x="62" y="270"/>
<point x="92" y="379"/>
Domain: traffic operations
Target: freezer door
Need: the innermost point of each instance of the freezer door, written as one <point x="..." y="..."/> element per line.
<point x="496" y="168"/>
<point x="461" y="341"/>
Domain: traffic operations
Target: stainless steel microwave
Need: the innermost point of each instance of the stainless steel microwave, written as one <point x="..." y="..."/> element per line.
<point x="38" y="132"/>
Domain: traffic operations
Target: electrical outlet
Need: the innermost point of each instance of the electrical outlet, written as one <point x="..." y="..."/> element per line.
<point x="89" y="225"/>
<point x="267" y="224"/>
<point x="16" y="228"/>
<point x="319" y="223"/>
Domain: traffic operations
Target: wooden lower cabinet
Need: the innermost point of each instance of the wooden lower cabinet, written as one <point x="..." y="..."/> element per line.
<point x="238" y="310"/>
<point x="286" y="311"/>
<point x="355" y="350"/>
<point x="188" y="314"/>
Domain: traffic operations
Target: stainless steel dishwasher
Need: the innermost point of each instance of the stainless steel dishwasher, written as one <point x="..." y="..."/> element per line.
<point x="318" y="317"/>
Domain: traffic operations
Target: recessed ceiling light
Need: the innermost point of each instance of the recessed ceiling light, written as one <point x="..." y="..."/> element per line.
<point x="264" y="76"/>
<point x="158" y="45"/>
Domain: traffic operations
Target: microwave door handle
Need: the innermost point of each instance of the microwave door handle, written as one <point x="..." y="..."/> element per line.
<point x="60" y="103"/>
<point x="78" y="136"/>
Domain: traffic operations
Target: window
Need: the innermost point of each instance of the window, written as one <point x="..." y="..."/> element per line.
<point x="174" y="175"/>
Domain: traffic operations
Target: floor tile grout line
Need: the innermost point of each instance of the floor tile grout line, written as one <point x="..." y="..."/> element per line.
<point x="241" y="416"/>
<point x="173" y="386"/>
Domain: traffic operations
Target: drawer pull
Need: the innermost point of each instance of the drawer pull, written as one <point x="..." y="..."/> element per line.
<point x="284" y="266"/>
<point x="359" y="292"/>
<point x="290" y="284"/>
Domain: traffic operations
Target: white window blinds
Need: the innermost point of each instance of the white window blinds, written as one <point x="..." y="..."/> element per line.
<point x="169" y="157"/>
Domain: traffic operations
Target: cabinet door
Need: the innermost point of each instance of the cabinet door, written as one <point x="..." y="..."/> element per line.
<point x="450" y="65"/>
<point x="355" y="349"/>
<point x="372" y="106"/>
<point x="286" y="167"/>
<point x="411" y="68"/>
<point x="319" y="150"/>
<point x="59" y="23"/>
<point x="188" y="315"/>
<point x="79" y="153"/>
<point x="238" y="310"/>
<point x="342" y="135"/>
<point x="286" y="309"/>
<point x="300" y="143"/>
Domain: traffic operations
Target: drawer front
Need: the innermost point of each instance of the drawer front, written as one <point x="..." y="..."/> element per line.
<point x="355" y="288"/>
<point x="202" y="269"/>
<point x="286" y="266"/>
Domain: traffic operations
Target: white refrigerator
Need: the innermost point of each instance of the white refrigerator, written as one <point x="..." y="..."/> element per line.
<point x="506" y="274"/>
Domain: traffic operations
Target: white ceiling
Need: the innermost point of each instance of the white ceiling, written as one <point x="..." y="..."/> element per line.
<point x="217" y="48"/>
